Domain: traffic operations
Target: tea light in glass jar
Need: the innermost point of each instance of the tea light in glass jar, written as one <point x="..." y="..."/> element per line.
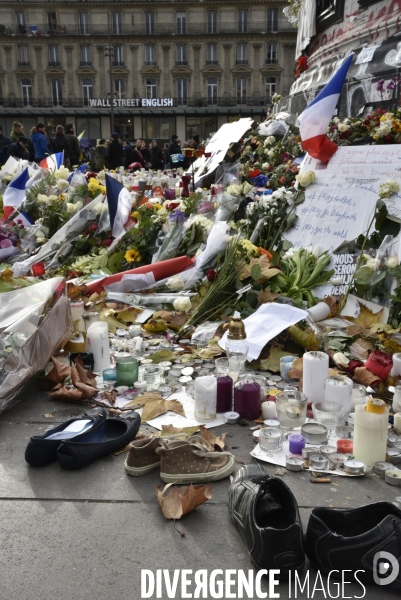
<point x="271" y="439"/>
<point x="354" y="467"/>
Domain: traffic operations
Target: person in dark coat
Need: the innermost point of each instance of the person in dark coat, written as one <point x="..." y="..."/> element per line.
<point x="99" y="157"/>
<point x="19" y="149"/>
<point x="174" y="149"/>
<point x="115" y="152"/>
<point x="157" y="156"/>
<point x="132" y="155"/>
<point x="75" y="150"/>
<point x="61" y="143"/>
<point x="5" y="142"/>
<point x="195" y="142"/>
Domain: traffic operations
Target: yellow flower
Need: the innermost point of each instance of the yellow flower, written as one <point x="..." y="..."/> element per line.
<point x="376" y="136"/>
<point x="134" y="214"/>
<point x="132" y="255"/>
<point x="158" y="206"/>
<point x="62" y="197"/>
<point x="102" y="189"/>
<point x="396" y="125"/>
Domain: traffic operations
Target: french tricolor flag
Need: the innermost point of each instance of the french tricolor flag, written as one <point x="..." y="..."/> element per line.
<point x="80" y="169"/>
<point x="120" y="205"/>
<point x="317" y="115"/>
<point x="15" y="193"/>
<point x="52" y="162"/>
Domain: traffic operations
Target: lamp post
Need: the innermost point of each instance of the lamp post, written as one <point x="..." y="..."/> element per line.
<point x="109" y="51"/>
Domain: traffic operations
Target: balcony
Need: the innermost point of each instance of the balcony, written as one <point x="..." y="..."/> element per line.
<point x="23" y="63"/>
<point x="54" y="63"/>
<point x="271" y="60"/>
<point x="181" y="63"/>
<point x="212" y="62"/>
<point x="85" y="63"/>
<point x="241" y="61"/>
<point x="118" y="63"/>
<point x="150" y="63"/>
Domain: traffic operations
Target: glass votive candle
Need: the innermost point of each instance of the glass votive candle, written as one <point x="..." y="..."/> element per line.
<point x="127" y="370"/>
<point x="153" y="375"/>
<point x="221" y="365"/>
<point x="271" y="439"/>
<point x="109" y="374"/>
<point x="286" y="364"/>
<point x="291" y="409"/>
<point x="38" y="269"/>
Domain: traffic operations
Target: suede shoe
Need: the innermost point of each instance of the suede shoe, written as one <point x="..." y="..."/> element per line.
<point x="111" y="435"/>
<point x="42" y="449"/>
<point x="193" y="461"/>
<point x="338" y="540"/>
<point x="142" y="457"/>
<point x="266" y="514"/>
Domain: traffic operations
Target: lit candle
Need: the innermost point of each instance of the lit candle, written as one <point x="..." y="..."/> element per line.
<point x="269" y="410"/>
<point x="97" y="340"/>
<point x="370" y="435"/>
<point x="338" y="388"/>
<point x="224" y="393"/>
<point x="205" y="398"/>
<point x="315" y="373"/>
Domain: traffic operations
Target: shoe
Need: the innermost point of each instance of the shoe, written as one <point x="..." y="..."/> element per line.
<point x="42" y="449"/>
<point x="352" y="539"/>
<point x="111" y="435"/>
<point x="142" y="457"/>
<point x="266" y="514"/>
<point x="193" y="461"/>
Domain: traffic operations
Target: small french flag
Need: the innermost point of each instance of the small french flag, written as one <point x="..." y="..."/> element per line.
<point x="34" y="29"/>
<point x="52" y="162"/>
<point x="15" y="193"/>
<point x="120" y="205"/>
<point x="80" y="169"/>
<point x="317" y="115"/>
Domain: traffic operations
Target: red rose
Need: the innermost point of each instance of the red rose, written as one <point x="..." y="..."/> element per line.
<point x="211" y="275"/>
<point x="388" y="138"/>
<point x="107" y="242"/>
<point x="172" y="205"/>
<point x="92" y="227"/>
<point x="282" y="179"/>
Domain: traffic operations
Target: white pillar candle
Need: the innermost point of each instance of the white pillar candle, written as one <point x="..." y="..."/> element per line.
<point x="396" y="369"/>
<point x="97" y="341"/>
<point x="319" y="312"/>
<point x="397" y="399"/>
<point x="315" y="372"/>
<point x="205" y="398"/>
<point x="397" y="422"/>
<point x="339" y="389"/>
<point x="89" y="318"/>
<point x="370" y="435"/>
<point x="269" y="410"/>
<point x="77" y="309"/>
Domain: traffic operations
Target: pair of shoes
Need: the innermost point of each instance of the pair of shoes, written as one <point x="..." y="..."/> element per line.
<point x="266" y="514"/>
<point x="190" y="460"/>
<point x="78" y="442"/>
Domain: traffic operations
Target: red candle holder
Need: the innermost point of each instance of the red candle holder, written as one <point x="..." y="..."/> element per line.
<point x="38" y="269"/>
<point x="379" y="363"/>
<point x="199" y="152"/>
<point x="208" y="154"/>
<point x="188" y="152"/>
<point x="345" y="446"/>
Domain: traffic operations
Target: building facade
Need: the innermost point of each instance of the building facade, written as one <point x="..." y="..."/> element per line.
<point x="166" y="66"/>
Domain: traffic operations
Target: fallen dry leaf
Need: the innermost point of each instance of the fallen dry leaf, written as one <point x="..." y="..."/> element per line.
<point x="154" y="408"/>
<point x="212" y="439"/>
<point x="128" y="315"/>
<point x="161" y="356"/>
<point x="59" y="372"/>
<point x="266" y="269"/>
<point x="305" y="339"/>
<point x="48" y="416"/>
<point x="170" y="429"/>
<point x="267" y="296"/>
<point x="273" y="362"/>
<point x="365" y="377"/>
<point x="180" y="501"/>
<point x="360" y="349"/>
<point x="176" y="320"/>
<point x="331" y="302"/>
<point x="111" y="396"/>
<point x="366" y="318"/>
<point x="76" y="291"/>
<point x="86" y="389"/>
<point x="68" y="395"/>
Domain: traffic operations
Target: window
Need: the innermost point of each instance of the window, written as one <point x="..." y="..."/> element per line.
<point x="272" y="20"/>
<point x="203" y="126"/>
<point x="271" y="56"/>
<point x="118" y="56"/>
<point x="86" y="59"/>
<point x="242" y="21"/>
<point x="158" y="128"/>
<point x="124" y="127"/>
<point x="241" y="87"/>
<point x="26" y="90"/>
<point x="270" y="84"/>
<point x="151" y="88"/>
<point x="21" y="22"/>
<point x="242" y="54"/>
<point x="181" y="20"/>
<point x="83" y="21"/>
<point x="54" y="56"/>
<point x="23" y="57"/>
<point x="119" y="87"/>
<point x="182" y="92"/>
<point x="57" y="92"/>
<point x="181" y="54"/>
<point x="211" y="54"/>
<point x="149" y="23"/>
<point x="116" y="21"/>
<point x="87" y="90"/>
<point x="52" y="21"/>
<point x="212" y="21"/>
<point x="91" y="126"/>
<point x="211" y="88"/>
<point x="150" y="54"/>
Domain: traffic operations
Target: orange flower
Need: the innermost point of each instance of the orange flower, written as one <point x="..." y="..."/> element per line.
<point x="265" y="252"/>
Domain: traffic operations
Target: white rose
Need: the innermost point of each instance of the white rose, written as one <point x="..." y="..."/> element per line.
<point x="70" y="208"/>
<point x="62" y="173"/>
<point x="340" y="359"/>
<point x="182" y="304"/>
<point x="235" y="190"/>
<point x="306" y="178"/>
<point x="42" y="199"/>
<point x="101" y="208"/>
<point x="373" y="263"/>
<point x="175" y="283"/>
<point x="53" y="197"/>
<point x="265" y="166"/>
<point x="63" y="185"/>
<point x="392" y="262"/>
<point x="270" y="140"/>
<point x="384" y="129"/>
<point x="343" y="127"/>
<point x="78" y="205"/>
<point x="270" y="153"/>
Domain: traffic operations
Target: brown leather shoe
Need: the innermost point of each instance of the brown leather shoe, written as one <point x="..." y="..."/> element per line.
<point x="142" y="457"/>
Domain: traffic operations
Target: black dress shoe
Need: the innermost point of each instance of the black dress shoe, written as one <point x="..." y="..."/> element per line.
<point x="111" y="435"/>
<point x="42" y="449"/>
<point x="338" y="540"/>
<point x="266" y="514"/>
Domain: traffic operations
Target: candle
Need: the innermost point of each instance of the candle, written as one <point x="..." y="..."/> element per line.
<point x="370" y="435"/>
<point x="315" y="373"/>
<point x="397" y="399"/>
<point x="98" y="343"/>
<point x="397" y="422"/>
<point x="269" y="410"/>
<point x="396" y="370"/>
<point x="354" y="467"/>
<point x="205" y="398"/>
<point x="286" y="364"/>
<point x="358" y="395"/>
<point x="247" y="399"/>
<point x="231" y="417"/>
<point x="77" y="310"/>
<point x="38" y="269"/>
<point x="224" y="393"/>
<point x="345" y="446"/>
<point x="338" y="388"/>
<point x="379" y="363"/>
<point x="319" y="312"/>
<point x="271" y="439"/>
<point x="297" y="443"/>
<point x="127" y="370"/>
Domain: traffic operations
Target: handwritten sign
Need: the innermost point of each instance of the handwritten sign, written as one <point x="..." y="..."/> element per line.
<point x="340" y="204"/>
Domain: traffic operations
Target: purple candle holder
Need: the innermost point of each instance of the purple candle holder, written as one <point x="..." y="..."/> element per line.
<point x="169" y="194"/>
<point x="297" y="443"/>
<point x="247" y="399"/>
<point x="224" y="393"/>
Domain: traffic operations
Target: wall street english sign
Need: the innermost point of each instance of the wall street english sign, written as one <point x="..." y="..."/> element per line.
<point x="130" y="102"/>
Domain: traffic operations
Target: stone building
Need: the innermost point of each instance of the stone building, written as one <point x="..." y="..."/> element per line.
<point x="176" y="67"/>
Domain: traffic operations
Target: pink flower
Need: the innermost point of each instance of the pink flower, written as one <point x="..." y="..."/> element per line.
<point x="380" y="85"/>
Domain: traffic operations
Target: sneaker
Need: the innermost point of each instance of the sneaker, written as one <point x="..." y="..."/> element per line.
<point x="193" y="461"/>
<point x="142" y="458"/>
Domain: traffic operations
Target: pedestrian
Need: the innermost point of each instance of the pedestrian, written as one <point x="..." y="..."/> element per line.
<point x="31" y="149"/>
<point x="17" y="131"/>
<point x="156" y="156"/>
<point x="19" y="149"/>
<point x="166" y="156"/>
<point x="61" y="143"/>
<point x="75" y="151"/>
<point x="99" y="157"/>
<point x="5" y="142"/>
<point x="39" y="141"/>
<point x="195" y="142"/>
<point x="145" y="152"/>
<point x="115" y="152"/>
<point x="175" y="153"/>
<point x="131" y="155"/>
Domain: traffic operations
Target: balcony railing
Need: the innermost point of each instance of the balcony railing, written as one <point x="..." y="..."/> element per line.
<point x="54" y="63"/>
<point x="241" y="61"/>
<point x="181" y="63"/>
<point x="85" y="63"/>
<point x="271" y="60"/>
<point x="150" y="63"/>
<point x="212" y="62"/>
<point x="24" y="63"/>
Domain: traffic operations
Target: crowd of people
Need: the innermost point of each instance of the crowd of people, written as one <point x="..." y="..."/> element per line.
<point x="110" y="154"/>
